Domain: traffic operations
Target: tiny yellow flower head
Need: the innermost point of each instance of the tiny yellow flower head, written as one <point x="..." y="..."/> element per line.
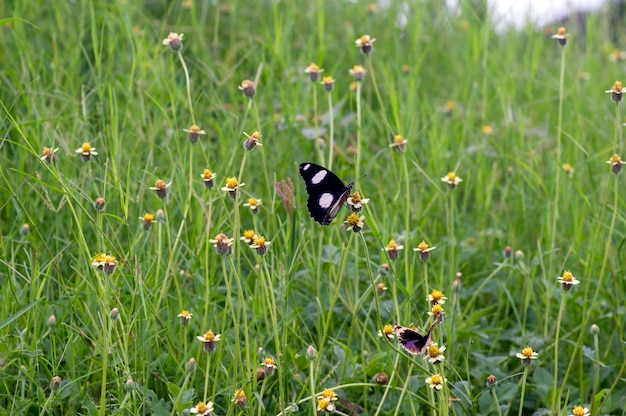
<point x="109" y="264"/>
<point x="366" y="44"/>
<point x="353" y="86"/>
<point x="561" y="37"/>
<point x="248" y="236"/>
<point x="393" y="249"/>
<point x="248" y="88"/>
<point x="436" y="382"/>
<point x="424" y="250"/>
<point x="185" y="317"/>
<point x="355" y="223"/>
<point x="209" y="339"/>
<point x="406" y="69"/>
<point x="99" y="203"/>
<point x="270" y="366"/>
<point x="325" y="405"/>
<point x="527" y="356"/>
<point x="358" y="73"/>
<point x="202" y="409"/>
<point x="372" y="8"/>
<point x="452" y="180"/>
<point x="86" y="151"/>
<point x="328" y="83"/>
<point x="580" y="411"/>
<point x="616" y="164"/>
<point x="387" y="332"/>
<point x="98" y="261"/>
<point x="252" y="140"/>
<point x="437" y="297"/>
<point x="222" y="244"/>
<point x="174" y="41"/>
<point x="208" y="178"/>
<point x="569" y="169"/>
<point x="399" y="143"/>
<point x="567" y="281"/>
<point x="49" y="155"/>
<point x="381" y="288"/>
<point x="253" y="204"/>
<point x="260" y="245"/>
<point x="449" y="108"/>
<point x="434" y="354"/>
<point x="239" y="398"/>
<point x="616" y="92"/>
<point x="231" y="187"/>
<point x="194" y="133"/>
<point x="314" y="72"/>
<point x="487" y="130"/>
<point x="146" y="221"/>
<point x="160" y="187"/>
<point x="329" y="394"/>
<point x="436" y="312"/>
<point x="356" y="202"/>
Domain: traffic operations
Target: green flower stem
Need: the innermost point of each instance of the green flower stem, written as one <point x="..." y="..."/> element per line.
<point x="331" y="126"/>
<point x="312" y="387"/>
<point x="556" y="396"/>
<point x="207" y="376"/>
<point x="359" y="116"/>
<point x="495" y="399"/>
<point x="188" y="83"/>
<point x="521" y="400"/>
<point x="596" y="372"/>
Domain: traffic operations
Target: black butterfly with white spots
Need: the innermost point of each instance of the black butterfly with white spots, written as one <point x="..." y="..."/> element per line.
<point x="412" y="341"/>
<point x="327" y="193"/>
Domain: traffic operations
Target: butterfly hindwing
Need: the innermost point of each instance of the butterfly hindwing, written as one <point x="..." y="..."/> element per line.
<point x="327" y="193"/>
<point x="412" y="341"/>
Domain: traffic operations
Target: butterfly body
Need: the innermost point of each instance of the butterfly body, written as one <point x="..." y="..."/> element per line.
<point x="412" y="341"/>
<point x="327" y="193"/>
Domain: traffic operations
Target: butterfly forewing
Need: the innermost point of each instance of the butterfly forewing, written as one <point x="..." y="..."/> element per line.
<point x="327" y="193"/>
<point x="413" y="341"/>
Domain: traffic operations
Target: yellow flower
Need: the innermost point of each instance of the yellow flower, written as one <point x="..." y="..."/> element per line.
<point x="160" y="187"/>
<point x="392" y="249"/>
<point x="222" y="244"/>
<point x="270" y="366"/>
<point x="355" y="223"/>
<point x="174" y="41"/>
<point x="231" y="186"/>
<point x="527" y="355"/>
<point x="209" y="178"/>
<point x="424" y="250"/>
<point x="314" y="72"/>
<point x="252" y="140"/>
<point x="48" y="155"/>
<point x="194" y="133"/>
<point x="437" y="296"/>
<point x="580" y="411"/>
<point x="260" y="245"/>
<point x="86" y="151"/>
<point x="356" y="201"/>
<point x="239" y="398"/>
<point x="358" y="73"/>
<point x="616" y="92"/>
<point x="209" y="339"/>
<point x="365" y="43"/>
<point x="328" y="83"/>
<point x="399" y="143"/>
<point x="185" y="317"/>
<point x="452" y="180"/>
<point x="202" y="409"/>
<point x="561" y="36"/>
<point x="387" y="331"/>
<point x="616" y="163"/>
<point x="434" y="354"/>
<point x="248" y="236"/>
<point x="248" y="88"/>
<point x="567" y="281"/>
<point x="436" y="382"/>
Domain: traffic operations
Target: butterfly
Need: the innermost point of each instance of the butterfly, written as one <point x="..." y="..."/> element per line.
<point x="327" y="193"/>
<point x="412" y="341"/>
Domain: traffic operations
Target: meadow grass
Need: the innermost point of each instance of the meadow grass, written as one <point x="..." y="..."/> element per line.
<point x="137" y="304"/>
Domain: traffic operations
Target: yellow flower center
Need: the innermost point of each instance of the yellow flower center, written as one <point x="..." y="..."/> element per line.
<point x="578" y="411"/>
<point x="46" y="151"/>
<point x="353" y="220"/>
<point x="231" y="183"/>
<point x="398" y="138"/>
<point x="328" y="394"/>
<point x="487" y="130"/>
<point x="240" y="394"/>
<point x="437" y="309"/>
<point x="323" y="404"/>
<point x="358" y="69"/>
<point x="450" y="106"/>
<point x="86" y="148"/>
<point x="365" y="40"/>
<point x="451" y="177"/>
<point x="246" y="83"/>
<point x="99" y="258"/>
<point x="392" y="245"/>
<point x="422" y="246"/>
<point x="194" y="129"/>
<point x="259" y="241"/>
<point x="436" y="295"/>
<point x="353" y="86"/>
<point x="253" y="202"/>
<point x="356" y="197"/>
<point x="433" y="350"/>
<point x="527" y="352"/>
<point x="160" y="184"/>
<point x="148" y="217"/>
<point x="567" y="277"/>
<point x="248" y="234"/>
<point x="561" y="31"/>
<point x="270" y="361"/>
<point x="110" y="259"/>
<point x="201" y="407"/>
<point x="388" y="329"/>
<point x="207" y="174"/>
<point x="209" y="336"/>
<point x="436" y="379"/>
<point x="185" y="314"/>
<point x="327" y="80"/>
<point x="615" y="159"/>
<point x="617" y="87"/>
<point x="567" y="167"/>
<point x="313" y="68"/>
<point x="255" y="136"/>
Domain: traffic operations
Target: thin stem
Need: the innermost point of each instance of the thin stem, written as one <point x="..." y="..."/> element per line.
<point x="182" y="61"/>
<point x="521" y="401"/>
<point x="331" y="126"/>
<point x="555" y="393"/>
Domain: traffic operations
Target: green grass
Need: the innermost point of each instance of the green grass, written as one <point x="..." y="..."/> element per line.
<point x="96" y="72"/>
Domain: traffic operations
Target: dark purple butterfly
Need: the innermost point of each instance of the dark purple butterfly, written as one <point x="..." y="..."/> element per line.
<point x="413" y="341"/>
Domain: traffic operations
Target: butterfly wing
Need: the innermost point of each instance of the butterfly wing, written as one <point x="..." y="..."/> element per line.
<point x="327" y="193"/>
<point x="412" y="341"/>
